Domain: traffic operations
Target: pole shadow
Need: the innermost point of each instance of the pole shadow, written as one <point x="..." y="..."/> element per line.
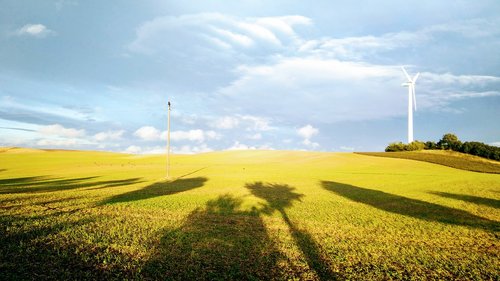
<point x="50" y="184"/>
<point x="217" y="242"/>
<point x="469" y="198"/>
<point x="410" y="207"/>
<point x="158" y="189"/>
<point x="279" y="197"/>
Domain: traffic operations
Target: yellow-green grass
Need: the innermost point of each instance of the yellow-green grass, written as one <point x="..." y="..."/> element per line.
<point x="244" y="215"/>
<point x="445" y="157"/>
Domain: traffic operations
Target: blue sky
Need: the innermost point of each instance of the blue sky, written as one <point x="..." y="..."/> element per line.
<point x="295" y="75"/>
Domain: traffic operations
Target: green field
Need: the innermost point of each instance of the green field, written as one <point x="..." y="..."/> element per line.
<point x="244" y="215"/>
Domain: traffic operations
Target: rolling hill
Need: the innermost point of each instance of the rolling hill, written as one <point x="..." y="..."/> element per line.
<point x="245" y="215"/>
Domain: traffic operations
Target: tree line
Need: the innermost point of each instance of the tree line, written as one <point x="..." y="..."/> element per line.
<point x="449" y="142"/>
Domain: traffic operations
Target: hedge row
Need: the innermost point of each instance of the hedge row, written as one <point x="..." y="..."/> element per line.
<point x="450" y="142"/>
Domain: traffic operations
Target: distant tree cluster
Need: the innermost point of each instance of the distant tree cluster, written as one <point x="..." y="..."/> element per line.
<point x="450" y="142"/>
<point x="399" y="146"/>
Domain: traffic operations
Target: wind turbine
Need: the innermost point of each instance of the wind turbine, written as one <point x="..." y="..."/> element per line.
<point x="411" y="101"/>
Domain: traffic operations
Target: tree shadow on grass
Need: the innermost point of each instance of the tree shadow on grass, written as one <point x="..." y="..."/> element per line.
<point x="218" y="242"/>
<point x="279" y="197"/>
<point x="40" y="252"/>
<point x="49" y="184"/>
<point x="469" y="198"/>
<point x="159" y="189"/>
<point x="410" y="207"/>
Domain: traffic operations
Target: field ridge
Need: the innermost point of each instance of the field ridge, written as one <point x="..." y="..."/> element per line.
<point x="446" y="158"/>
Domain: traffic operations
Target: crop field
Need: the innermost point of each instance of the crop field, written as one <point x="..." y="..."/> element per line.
<point x="244" y="215"/>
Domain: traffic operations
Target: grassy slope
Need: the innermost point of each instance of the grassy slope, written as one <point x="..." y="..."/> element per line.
<point x="447" y="158"/>
<point x="244" y="215"/>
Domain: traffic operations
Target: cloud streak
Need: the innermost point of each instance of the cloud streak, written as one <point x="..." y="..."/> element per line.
<point x="35" y="30"/>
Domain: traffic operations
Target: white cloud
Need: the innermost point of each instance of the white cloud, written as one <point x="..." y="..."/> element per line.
<point x="148" y="133"/>
<point x="134" y="149"/>
<point x="192" y="135"/>
<point x="320" y="90"/>
<point x="311" y="144"/>
<point x="256" y="123"/>
<point x="184" y="149"/>
<point x="226" y="122"/>
<point x="240" y="146"/>
<point x="497" y="143"/>
<point x="357" y="48"/>
<point x="235" y="38"/>
<point x="259" y="33"/>
<point x="307" y="131"/>
<point x="215" y="31"/>
<point x="109" y="135"/>
<point x="364" y="47"/>
<point x="187" y="149"/>
<point x="249" y="122"/>
<point x="57" y="142"/>
<point x="58" y="130"/>
<point x="458" y="80"/>
<point x="35" y="30"/>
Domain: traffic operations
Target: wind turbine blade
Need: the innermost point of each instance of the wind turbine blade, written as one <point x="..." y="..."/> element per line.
<point x="414" y="98"/>
<point x="406" y="73"/>
<point x="416" y="77"/>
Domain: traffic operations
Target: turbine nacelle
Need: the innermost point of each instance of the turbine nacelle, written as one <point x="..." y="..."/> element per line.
<point x="411" y="85"/>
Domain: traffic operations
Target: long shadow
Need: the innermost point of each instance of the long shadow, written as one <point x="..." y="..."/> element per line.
<point x="469" y="198"/>
<point x="21" y="180"/>
<point x="49" y="184"/>
<point x="410" y="207"/>
<point x="217" y="242"/>
<point x="34" y="252"/>
<point x="279" y="197"/>
<point x="22" y="257"/>
<point x="158" y="189"/>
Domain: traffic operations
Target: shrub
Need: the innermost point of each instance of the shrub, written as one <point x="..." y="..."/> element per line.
<point x="431" y="145"/>
<point x="399" y="146"/>
<point x="395" y="146"/>
<point x="415" y="145"/>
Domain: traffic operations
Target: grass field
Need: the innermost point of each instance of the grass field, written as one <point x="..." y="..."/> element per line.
<point x="244" y="215"/>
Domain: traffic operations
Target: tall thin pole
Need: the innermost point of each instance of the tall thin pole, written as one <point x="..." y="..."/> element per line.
<point x="168" y="142"/>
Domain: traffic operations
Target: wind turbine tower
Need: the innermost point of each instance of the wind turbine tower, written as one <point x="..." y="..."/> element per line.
<point x="412" y="102"/>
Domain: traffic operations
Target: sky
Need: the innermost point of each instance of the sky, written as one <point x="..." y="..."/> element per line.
<point x="251" y="74"/>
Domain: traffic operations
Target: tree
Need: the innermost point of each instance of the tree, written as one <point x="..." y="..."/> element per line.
<point x="395" y="146"/>
<point x="415" y="145"/>
<point x="431" y="145"/>
<point x="450" y="141"/>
